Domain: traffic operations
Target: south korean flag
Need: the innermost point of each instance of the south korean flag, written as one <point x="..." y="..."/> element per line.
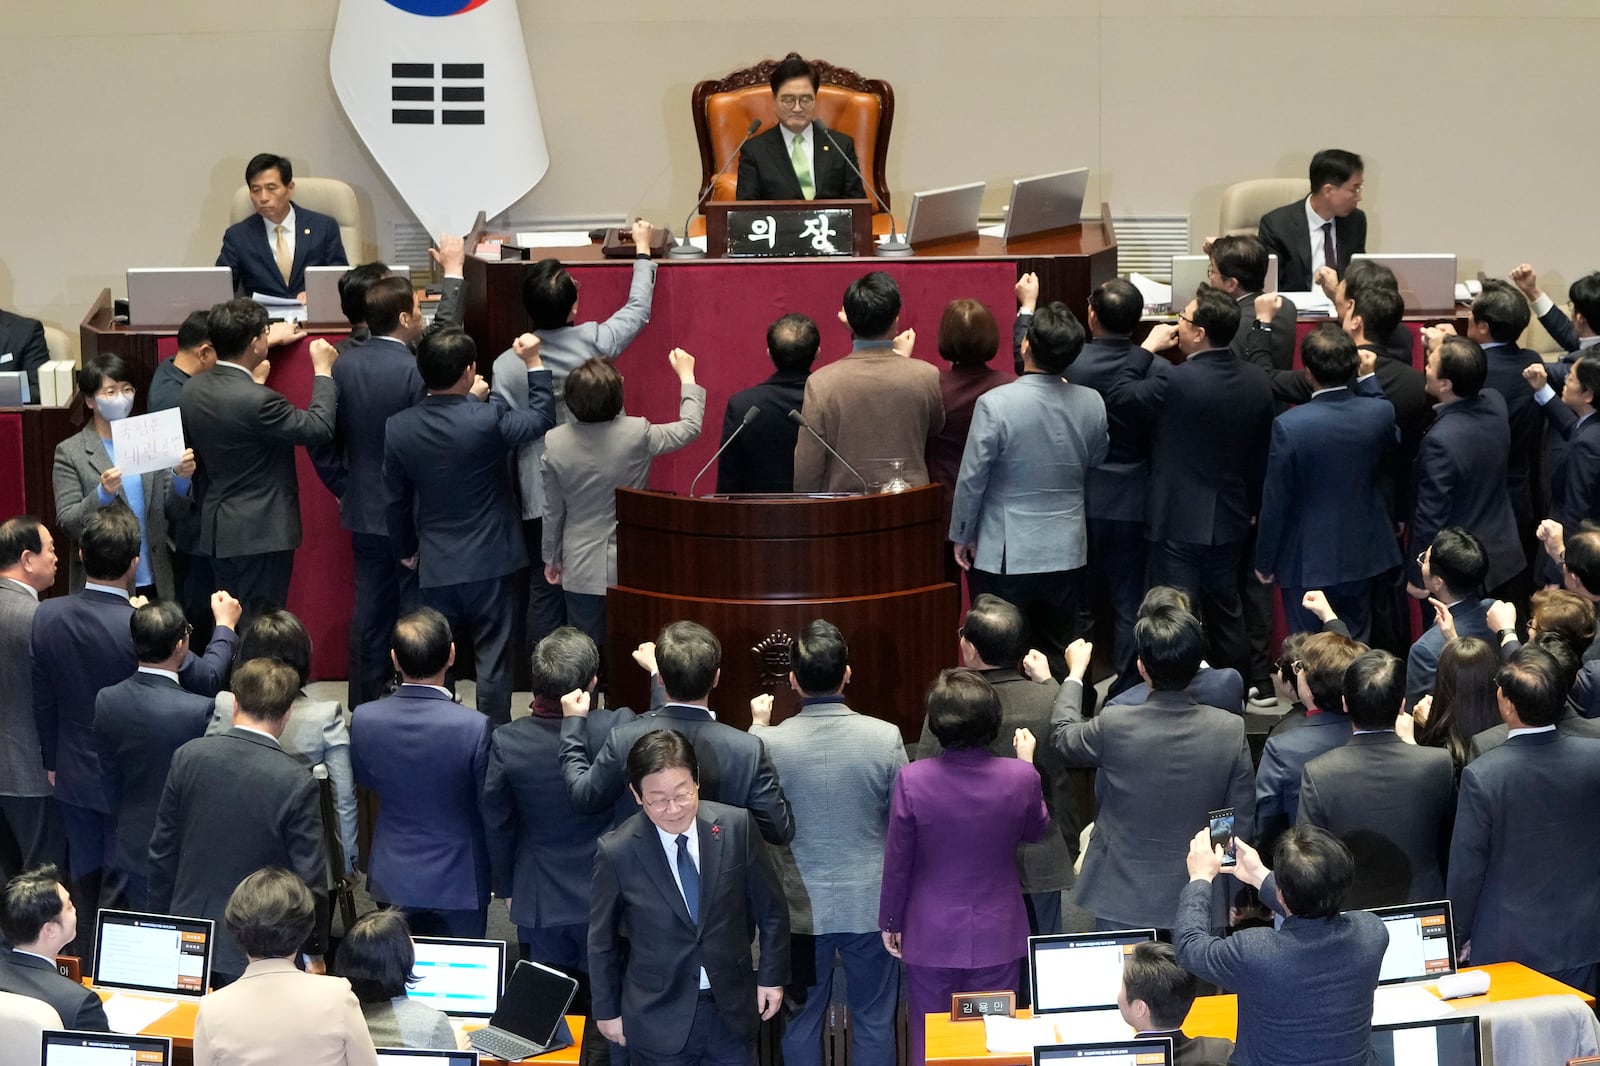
<point x="441" y="93"/>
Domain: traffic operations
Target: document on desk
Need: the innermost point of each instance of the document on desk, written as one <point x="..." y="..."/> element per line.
<point x="1156" y="294"/>
<point x="281" y="308"/>
<point x="553" y="239"/>
<point x="133" y="1014"/>
<point x="1016" y="1036"/>
<point x="1313" y="304"/>
<point x="1406" y="1003"/>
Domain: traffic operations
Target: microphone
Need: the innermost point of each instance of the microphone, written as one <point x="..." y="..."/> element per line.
<point x="749" y="416"/>
<point x="894" y="246"/>
<point x="683" y="249"/>
<point x="798" y="419"/>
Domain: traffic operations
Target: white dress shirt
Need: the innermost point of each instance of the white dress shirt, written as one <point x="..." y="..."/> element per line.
<point x="288" y="233"/>
<point x="1319" y="255"/>
<point x="669" y="844"/>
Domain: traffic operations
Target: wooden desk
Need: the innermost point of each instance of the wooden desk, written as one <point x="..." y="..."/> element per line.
<point x="178" y="1024"/>
<point x="961" y="1043"/>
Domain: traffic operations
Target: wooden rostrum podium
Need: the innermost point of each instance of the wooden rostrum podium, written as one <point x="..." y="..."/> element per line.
<point x="758" y="569"/>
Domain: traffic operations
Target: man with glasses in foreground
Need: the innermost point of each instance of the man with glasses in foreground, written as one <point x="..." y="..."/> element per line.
<point x="796" y="160"/>
<point x="684" y="883"/>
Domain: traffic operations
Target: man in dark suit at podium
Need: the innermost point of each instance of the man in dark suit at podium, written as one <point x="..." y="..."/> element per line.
<point x="270" y="252"/>
<point x="1301" y="233"/>
<point x="762" y="459"/>
<point x="794" y="160"/>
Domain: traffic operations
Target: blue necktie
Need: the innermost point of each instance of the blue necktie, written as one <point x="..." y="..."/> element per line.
<point x="690" y="878"/>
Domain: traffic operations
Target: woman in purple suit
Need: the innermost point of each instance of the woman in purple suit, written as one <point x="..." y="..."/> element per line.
<point x="951" y="904"/>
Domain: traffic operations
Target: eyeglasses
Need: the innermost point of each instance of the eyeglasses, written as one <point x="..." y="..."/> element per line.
<point x="1422" y="557"/>
<point x="681" y="798"/>
<point x="1186" y="318"/>
<point x="790" y="103"/>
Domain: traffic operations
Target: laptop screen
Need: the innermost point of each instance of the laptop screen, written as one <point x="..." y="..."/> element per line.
<point x="1080" y="971"/>
<point x="394" y="1056"/>
<point x="1436" y="1042"/>
<point x="153" y="953"/>
<point x="462" y="978"/>
<point x="1143" y="1051"/>
<point x="535" y="1002"/>
<point x="61" y="1048"/>
<point x="1422" y="942"/>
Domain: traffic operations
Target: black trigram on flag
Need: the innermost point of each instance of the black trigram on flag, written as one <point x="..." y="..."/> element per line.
<point x="443" y="93"/>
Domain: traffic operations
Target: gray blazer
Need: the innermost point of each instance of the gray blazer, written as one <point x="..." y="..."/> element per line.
<point x="79" y="462"/>
<point x="838" y="769"/>
<point x="585" y="463"/>
<point x="563" y="351"/>
<point x="21" y="764"/>
<point x="1163" y="767"/>
<point x="1020" y="492"/>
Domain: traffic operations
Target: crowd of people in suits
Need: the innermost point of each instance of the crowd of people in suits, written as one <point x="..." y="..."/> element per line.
<point x="158" y="755"/>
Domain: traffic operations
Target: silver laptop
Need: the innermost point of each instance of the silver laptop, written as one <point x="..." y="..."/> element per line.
<point x="165" y="296"/>
<point x="322" y="292"/>
<point x="1426" y="281"/>
<point x="457" y="976"/>
<point x="1046" y="202"/>
<point x="160" y="953"/>
<point x="1189" y="271"/>
<point x="1422" y="942"/>
<point x="942" y="214"/>
<point x="1448" y="1041"/>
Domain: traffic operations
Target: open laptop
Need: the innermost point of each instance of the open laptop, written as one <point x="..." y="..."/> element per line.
<point x="532" y="1018"/>
<point x="1189" y="272"/>
<point x="1427" y="282"/>
<point x="462" y="978"/>
<point x="395" y="1056"/>
<point x="1080" y="971"/>
<point x="322" y="294"/>
<point x="1136" y="1051"/>
<point x="943" y="214"/>
<point x="1422" y="942"/>
<point x="165" y="296"/>
<point x="62" y="1047"/>
<point x="1045" y="202"/>
<point x="1449" y="1041"/>
<point x="158" y="953"/>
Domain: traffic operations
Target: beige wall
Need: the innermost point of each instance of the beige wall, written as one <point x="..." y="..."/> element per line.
<point x="127" y="125"/>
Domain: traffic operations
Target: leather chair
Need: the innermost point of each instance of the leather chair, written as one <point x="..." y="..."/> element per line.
<point x="1244" y="202"/>
<point x="58" y="343"/>
<point x="862" y="108"/>
<point x="22" y="1021"/>
<point x="328" y="196"/>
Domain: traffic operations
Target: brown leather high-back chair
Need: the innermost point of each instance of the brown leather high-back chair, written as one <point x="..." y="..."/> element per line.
<point x="861" y="108"/>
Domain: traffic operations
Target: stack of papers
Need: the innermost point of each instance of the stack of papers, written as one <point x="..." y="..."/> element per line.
<point x="1313" y="304"/>
<point x="133" y="1014"/>
<point x="554" y="239"/>
<point x="280" y="309"/>
<point x="1406" y="1003"/>
<point x="1017" y="1036"/>
<point x="1157" y="297"/>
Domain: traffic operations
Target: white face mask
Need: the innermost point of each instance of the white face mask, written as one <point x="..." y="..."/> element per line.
<point x="112" y="408"/>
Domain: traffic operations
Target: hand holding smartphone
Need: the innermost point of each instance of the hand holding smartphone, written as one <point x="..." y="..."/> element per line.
<point x="1222" y="833"/>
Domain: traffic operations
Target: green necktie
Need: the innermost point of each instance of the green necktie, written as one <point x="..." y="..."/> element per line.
<point x="802" y="169"/>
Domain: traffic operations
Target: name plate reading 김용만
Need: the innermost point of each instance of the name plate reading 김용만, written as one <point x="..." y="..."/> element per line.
<point x="971" y="1006"/>
<point x="775" y="233"/>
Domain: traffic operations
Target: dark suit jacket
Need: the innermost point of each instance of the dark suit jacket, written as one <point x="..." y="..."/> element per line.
<point x="1212" y="416"/>
<point x="376" y="379"/>
<point x="233" y="803"/>
<point x="1211" y="687"/>
<point x="1116" y="488"/>
<point x="766" y="173"/>
<point x="1323" y="521"/>
<point x="1279" y="344"/>
<point x="959" y="387"/>
<point x="1285" y="231"/>
<point x="645" y="953"/>
<point x="247" y="251"/>
<point x="734" y="766"/>
<point x="36" y="978"/>
<point x="1506" y="362"/>
<point x="81" y="645"/>
<point x="1283" y="760"/>
<point x="244" y="435"/>
<point x="22" y="347"/>
<point x="424" y="755"/>
<point x="446" y="464"/>
<point x="139" y="725"/>
<point x="1162" y="768"/>
<point x="762" y="459"/>
<point x="1305" y="990"/>
<point x="1392" y="803"/>
<point x="1572" y="724"/>
<point x="541" y="847"/>
<point x="1522" y="860"/>
<point x="1575" y="481"/>
<point x="1460" y="480"/>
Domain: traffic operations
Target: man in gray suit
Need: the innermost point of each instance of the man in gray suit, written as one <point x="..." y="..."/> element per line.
<point x="550" y="297"/>
<point x="1018" y="522"/>
<point x="1163" y="767"/>
<point x="838" y="769"/>
<point x="1392" y="803"/>
<point x="993" y="640"/>
<point x="244" y="436"/>
<point x="30" y="826"/>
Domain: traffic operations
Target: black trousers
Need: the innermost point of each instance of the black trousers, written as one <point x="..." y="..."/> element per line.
<point x="259" y="582"/>
<point x="1210" y="574"/>
<point x="31" y="834"/>
<point x="384" y="590"/>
